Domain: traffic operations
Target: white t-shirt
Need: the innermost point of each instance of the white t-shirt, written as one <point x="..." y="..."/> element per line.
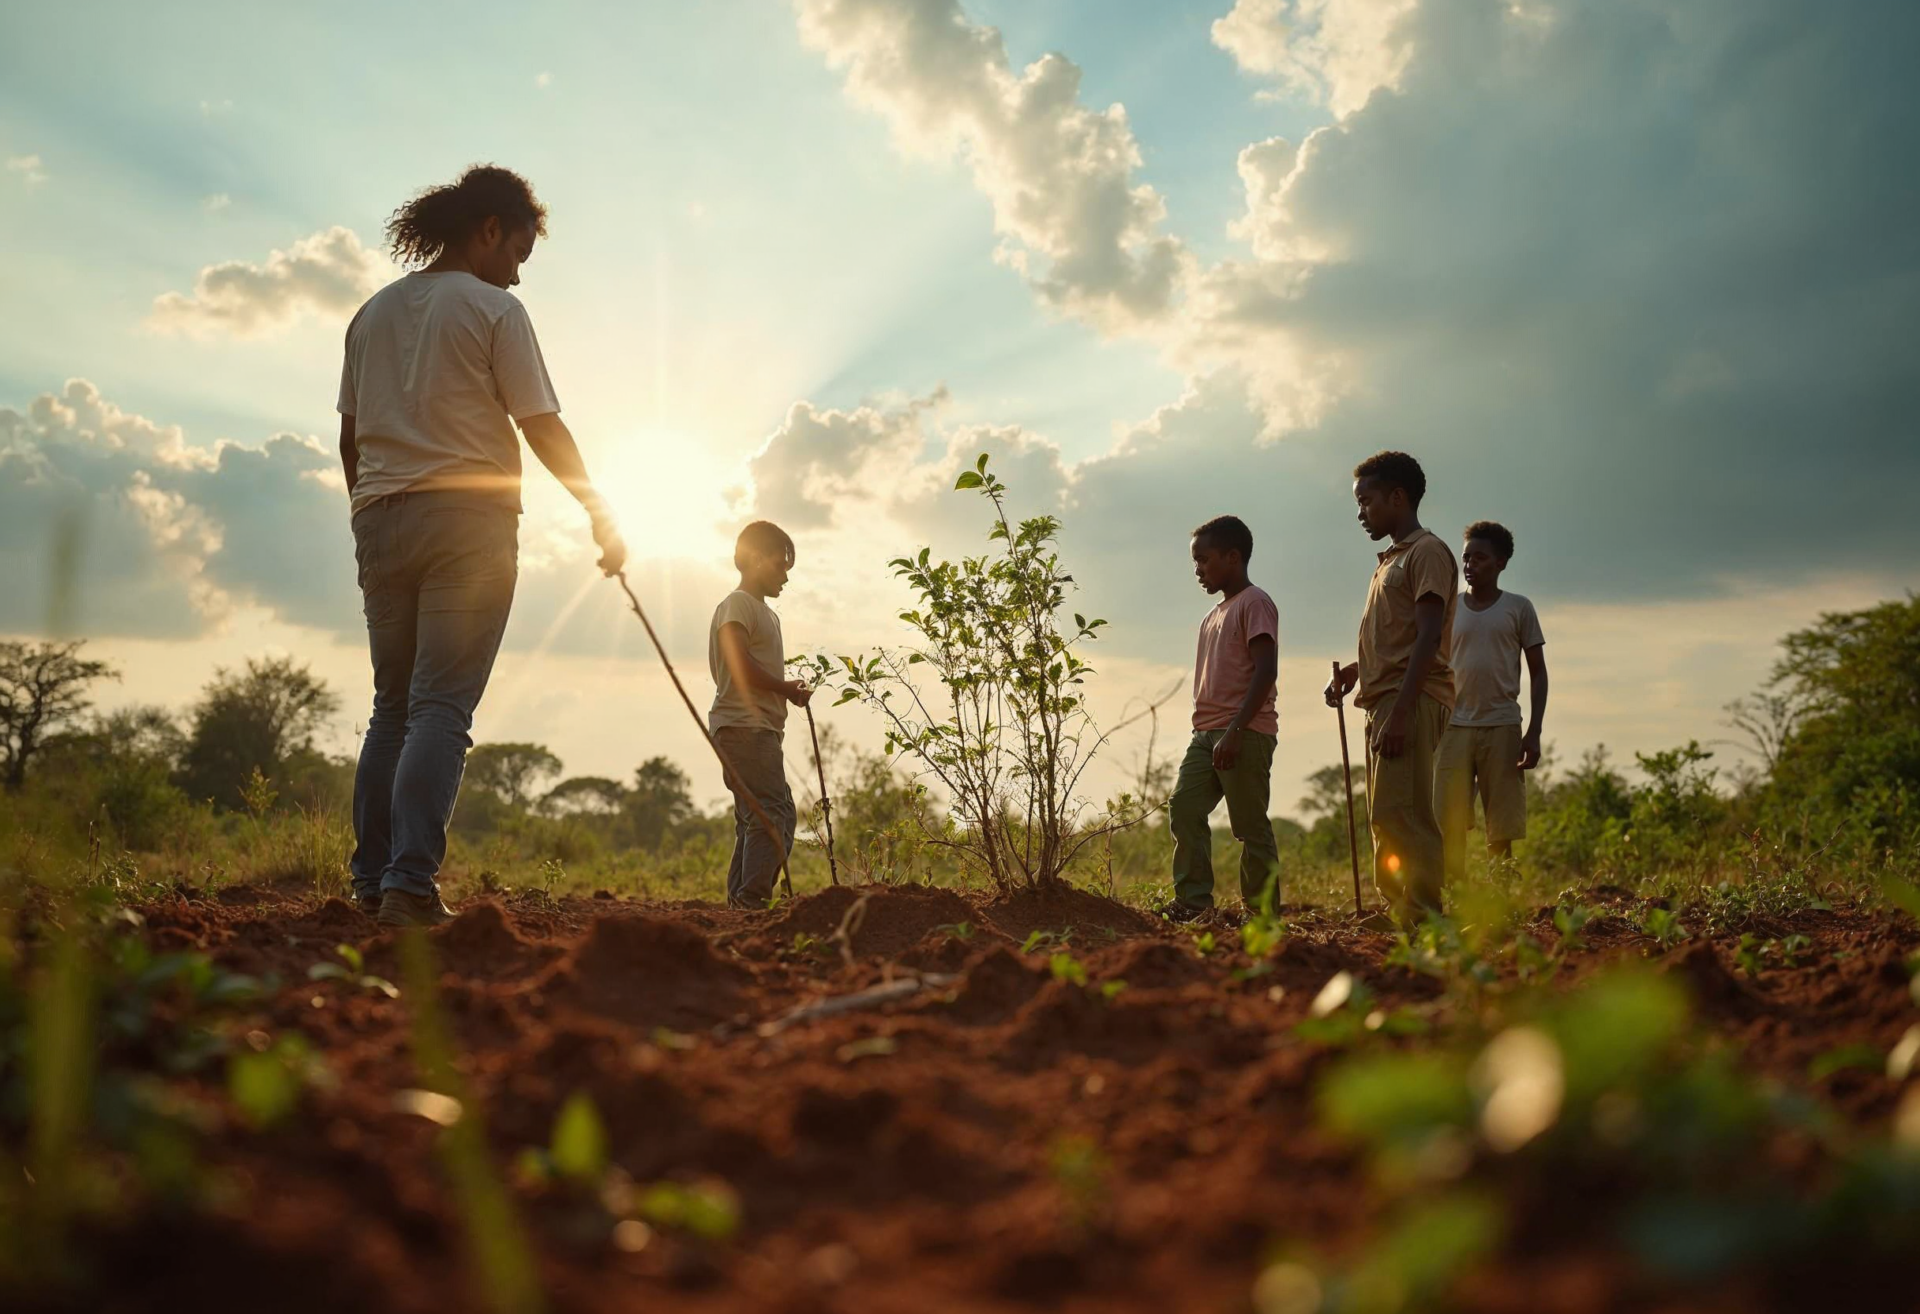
<point x="438" y="368"/>
<point x="1486" y="659"/>
<point x="756" y="709"/>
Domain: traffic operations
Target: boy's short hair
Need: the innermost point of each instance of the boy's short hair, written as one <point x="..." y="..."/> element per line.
<point x="762" y="538"/>
<point x="1496" y="535"/>
<point x="1228" y="532"/>
<point x="1395" y="470"/>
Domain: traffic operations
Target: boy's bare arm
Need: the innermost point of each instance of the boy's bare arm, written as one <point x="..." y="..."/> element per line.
<point x="1537" y="683"/>
<point x="349" y="453"/>
<point x="1266" y="667"/>
<point x="746" y="671"/>
<point x="1429" y="613"/>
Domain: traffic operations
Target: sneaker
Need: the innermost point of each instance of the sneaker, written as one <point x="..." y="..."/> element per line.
<point x="398" y="908"/>
<point x="368" y="903"/>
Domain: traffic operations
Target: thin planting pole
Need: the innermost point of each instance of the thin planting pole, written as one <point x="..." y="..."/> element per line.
<point x="1346" y="778"/>
<point x="826" y="804"/>
<point x="726" y="767"/>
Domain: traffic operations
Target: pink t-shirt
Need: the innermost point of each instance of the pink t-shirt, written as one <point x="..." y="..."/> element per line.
<point x="1223" y="668"/>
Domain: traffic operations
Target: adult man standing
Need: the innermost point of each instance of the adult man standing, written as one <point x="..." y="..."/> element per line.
<point x="440" y="366"/>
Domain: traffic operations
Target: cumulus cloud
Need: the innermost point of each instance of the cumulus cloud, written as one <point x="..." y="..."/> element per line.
<point x="1333" y="52"/>
<point x="1061" y="176"/>
<point x="1651" y="253"/>
<point x="30" y="168"/>
<point x="116" y="523"/>
<point x="328" y="274"/>
<point x="118" y="526"/>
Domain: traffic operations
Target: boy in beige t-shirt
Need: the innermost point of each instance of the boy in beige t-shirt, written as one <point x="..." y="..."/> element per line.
<point x="1405" y="681"/>
<point x="1484" y="752"/>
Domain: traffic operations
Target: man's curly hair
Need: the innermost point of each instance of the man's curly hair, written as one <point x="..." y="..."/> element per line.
<point x="440" y="217"/>
<point x="1495" y="535"/>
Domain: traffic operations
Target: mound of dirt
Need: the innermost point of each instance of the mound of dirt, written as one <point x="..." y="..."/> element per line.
<point x="997" y="984"/>
<point x="1156" y="965"/>
<point x="1716" y="992"/>
<point x="647" y="973"/>
<point x="482" y="943"/>
<point x="891" y="919"/>
<point x="1058" y="906"/>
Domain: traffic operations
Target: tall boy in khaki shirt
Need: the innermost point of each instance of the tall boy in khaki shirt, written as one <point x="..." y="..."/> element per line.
<point x="1405" y="681"/>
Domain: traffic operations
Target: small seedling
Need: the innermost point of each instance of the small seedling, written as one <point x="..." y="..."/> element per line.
<point x="707" y="1209"/>
<point x="1663" y="924"/>
<point x="1204" y="943"/>
<point x="1081" y="1172"/>
<point x="266" y="1081"/>
<point x="348" y="970"/>
<point x="1065" y="967"/>
<point x="1747" y="956"/>
<point x="1261" y="937"/>
<point x="1043" y="939"/>
<point x="1110" y="990"/>
<point x="961" y="931"/>
<point x="1569" y="919"/>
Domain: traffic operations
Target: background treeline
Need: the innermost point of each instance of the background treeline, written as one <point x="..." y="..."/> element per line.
<point x="1827" y="784"/>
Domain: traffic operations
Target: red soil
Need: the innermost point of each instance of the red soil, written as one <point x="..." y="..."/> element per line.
<point x="894" y="1159"/>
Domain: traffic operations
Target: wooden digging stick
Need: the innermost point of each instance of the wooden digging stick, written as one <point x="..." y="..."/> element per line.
<point x="826" y="804"/>
<point x="1346" y="778"/>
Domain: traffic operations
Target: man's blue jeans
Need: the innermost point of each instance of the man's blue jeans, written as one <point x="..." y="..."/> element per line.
<point x="437" y="572"/>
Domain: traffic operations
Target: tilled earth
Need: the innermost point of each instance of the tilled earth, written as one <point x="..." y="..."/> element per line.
<point x="904" y="1157"/>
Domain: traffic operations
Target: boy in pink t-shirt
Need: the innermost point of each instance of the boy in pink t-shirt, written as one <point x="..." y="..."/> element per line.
<point x="1234" y="728"/>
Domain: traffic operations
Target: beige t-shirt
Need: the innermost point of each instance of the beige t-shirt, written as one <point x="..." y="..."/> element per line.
<point x="755" y="709"/>
<point x="438" y="368"/>
<point x="1408" y="571"/>
<point x="1223" y="665"/>
<point x="1486" y="659"/>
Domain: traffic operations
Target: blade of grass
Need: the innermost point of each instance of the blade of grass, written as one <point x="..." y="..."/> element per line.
<point x="503" y="1265"/>
<point x="60" y="1036"/>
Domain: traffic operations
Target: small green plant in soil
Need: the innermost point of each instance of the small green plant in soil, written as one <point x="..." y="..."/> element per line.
<point x="1065" y="967"/>
<point x="1037" y="940"/>
<point x="1665" y="927"/>
<point x="349" y="969"/>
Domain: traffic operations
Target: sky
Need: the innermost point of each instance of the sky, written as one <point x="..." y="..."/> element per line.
<point x="1638" y="278"/>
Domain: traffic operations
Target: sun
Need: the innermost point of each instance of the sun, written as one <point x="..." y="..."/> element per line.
<point x="669" y="489"/>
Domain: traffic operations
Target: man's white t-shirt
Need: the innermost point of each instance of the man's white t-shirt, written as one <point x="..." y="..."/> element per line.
<point x="438" y="368"/>
<point x="734" y="704"/>
<point x="1486" y="659"/>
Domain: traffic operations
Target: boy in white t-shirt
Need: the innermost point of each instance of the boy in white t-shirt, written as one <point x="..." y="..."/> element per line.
<point x="1484" y="752"/>
<point x="748" y="660"/>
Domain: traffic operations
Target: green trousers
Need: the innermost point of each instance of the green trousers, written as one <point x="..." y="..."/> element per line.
<point x="1408" y="854"/>
<point x="1245" y="788"/>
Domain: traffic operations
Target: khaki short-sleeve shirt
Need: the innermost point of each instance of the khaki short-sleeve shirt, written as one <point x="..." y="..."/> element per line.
<point x="1409" y="570"/>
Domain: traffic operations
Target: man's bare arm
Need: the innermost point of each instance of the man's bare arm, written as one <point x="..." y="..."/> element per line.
<point x="553" y="443"/>
<point x="349" y="453"/>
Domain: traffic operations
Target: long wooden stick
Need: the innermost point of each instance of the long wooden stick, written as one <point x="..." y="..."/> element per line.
<point x="1346" y="778"/>
<point x="826" y="804"/>
<point x="733" y="777"/>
